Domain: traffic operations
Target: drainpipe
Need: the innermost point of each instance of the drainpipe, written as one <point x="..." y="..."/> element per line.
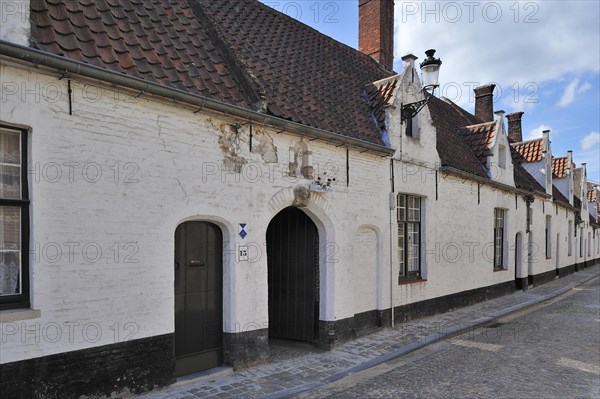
<point x="392" y="203"/>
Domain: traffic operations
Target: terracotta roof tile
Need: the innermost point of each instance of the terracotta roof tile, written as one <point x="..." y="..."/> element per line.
<point x="560" y="167"/>
<point x="592" y="193"/>
<point x="306" y="76"/>
<point x="453" y="149"/>
<point x="480" y="138"/>
<point x="140" y="38"/>
<point x="238" y="51"/>
<point x="380" y="95"/>
<point x="523" y="179"/>
<point x="530" y="151"/>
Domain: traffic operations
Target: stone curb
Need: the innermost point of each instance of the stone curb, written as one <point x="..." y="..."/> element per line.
<point x="430" y="339"/>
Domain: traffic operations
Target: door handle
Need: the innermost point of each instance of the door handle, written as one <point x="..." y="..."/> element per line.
<point x="196" y="263"/>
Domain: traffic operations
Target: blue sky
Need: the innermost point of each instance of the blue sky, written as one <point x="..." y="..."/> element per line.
<point x="544" y="57"/>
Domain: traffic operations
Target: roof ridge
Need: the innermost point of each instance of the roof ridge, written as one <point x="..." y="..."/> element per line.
<point x="385" y="79"/>
<point x="458" y="109"/>
<point x="252" y="87"/>
<point x="527" y="141"/>
<point x="480" y="124"/>
<point x="343" y="45"/>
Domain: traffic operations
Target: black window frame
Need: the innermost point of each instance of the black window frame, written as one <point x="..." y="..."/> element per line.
<point x="21" y="300"/>
<point x="404" y="274"/>
<point x="499" y="261"/>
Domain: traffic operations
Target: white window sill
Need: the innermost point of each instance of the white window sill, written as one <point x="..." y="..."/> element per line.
<point x="12" y="315"/>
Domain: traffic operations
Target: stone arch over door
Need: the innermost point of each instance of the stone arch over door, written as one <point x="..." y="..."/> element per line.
<point x="317" y="207"/>
<point x="366" y="277"/>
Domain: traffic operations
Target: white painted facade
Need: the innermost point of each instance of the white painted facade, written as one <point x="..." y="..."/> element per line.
<point x="110" y="184"/>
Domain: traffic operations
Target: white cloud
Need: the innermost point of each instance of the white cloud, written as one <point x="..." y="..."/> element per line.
<point x="569" y="94"/>
<point x="517" y="45"/>
<point x="590" y="141"/>
<point x="584" y="87"/>
<point x="537" y="132"/>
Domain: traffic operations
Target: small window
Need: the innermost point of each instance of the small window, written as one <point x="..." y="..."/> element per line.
<point x="408" y="213"/>
<point x="14" y="219"/>
<point x="412" y="127"/>
<point x="502" y="156"/>
<point x="499" y="224"/>
<point x="548" y="237"/>
<point x="570" y="239"/>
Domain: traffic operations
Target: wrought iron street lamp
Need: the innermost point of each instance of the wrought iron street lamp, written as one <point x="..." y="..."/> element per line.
<point x="430" y="68"/>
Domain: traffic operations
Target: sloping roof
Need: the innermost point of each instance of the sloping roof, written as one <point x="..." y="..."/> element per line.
<point x="307" y="77"/>
<point x="530" y="151"/>
<point x="480" y="138"/>
<point x="380" y="95"/>
<point x="592" y="195"/>
<point x="238" y="51"/>
<point x="160" y="41"/>
<point x="557" y="196"/>
<point x="464" y="142"/>
<point x="453" y="149"/>
<point x="523" y="178"/>
<point x="560" y="167"/>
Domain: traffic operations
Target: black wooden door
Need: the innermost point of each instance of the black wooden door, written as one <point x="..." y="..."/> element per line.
<point x="198" y="297"/>
<point x="293" y="259"/>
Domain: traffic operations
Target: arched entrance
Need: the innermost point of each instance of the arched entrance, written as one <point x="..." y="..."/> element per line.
<point x="293" y="276"/>
<point x="198" y="297"/>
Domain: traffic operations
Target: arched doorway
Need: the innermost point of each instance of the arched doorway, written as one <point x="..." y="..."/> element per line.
<point x="293" y="276"/>
<point x="198" y="297"/>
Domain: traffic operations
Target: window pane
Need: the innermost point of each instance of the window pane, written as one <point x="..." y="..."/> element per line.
<point x="401" y="248"/>
<point x="414" y="209"/>
<point x="413" y="247"/>
<point x="401" y="211"/>
<point x="10" y="164"/>
<point x="10" y="247"/>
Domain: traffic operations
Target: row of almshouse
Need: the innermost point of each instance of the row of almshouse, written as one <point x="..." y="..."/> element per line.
<point x="182" y="180"/>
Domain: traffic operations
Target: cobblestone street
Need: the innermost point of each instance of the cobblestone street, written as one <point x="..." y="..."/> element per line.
<point x="552" y="351"/>
<point x="542" y="354"/>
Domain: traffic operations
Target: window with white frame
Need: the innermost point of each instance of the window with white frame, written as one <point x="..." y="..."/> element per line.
<point x="14" y="219"/>
<point x="499" y="226"/>
<point x="548" y="237"/>
<point x="408" y="213"/>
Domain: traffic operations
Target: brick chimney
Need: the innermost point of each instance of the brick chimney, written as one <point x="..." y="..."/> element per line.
<point x="376" y="30"/>
<point x="515" y="131"/>
<point x="484" y="102"/>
